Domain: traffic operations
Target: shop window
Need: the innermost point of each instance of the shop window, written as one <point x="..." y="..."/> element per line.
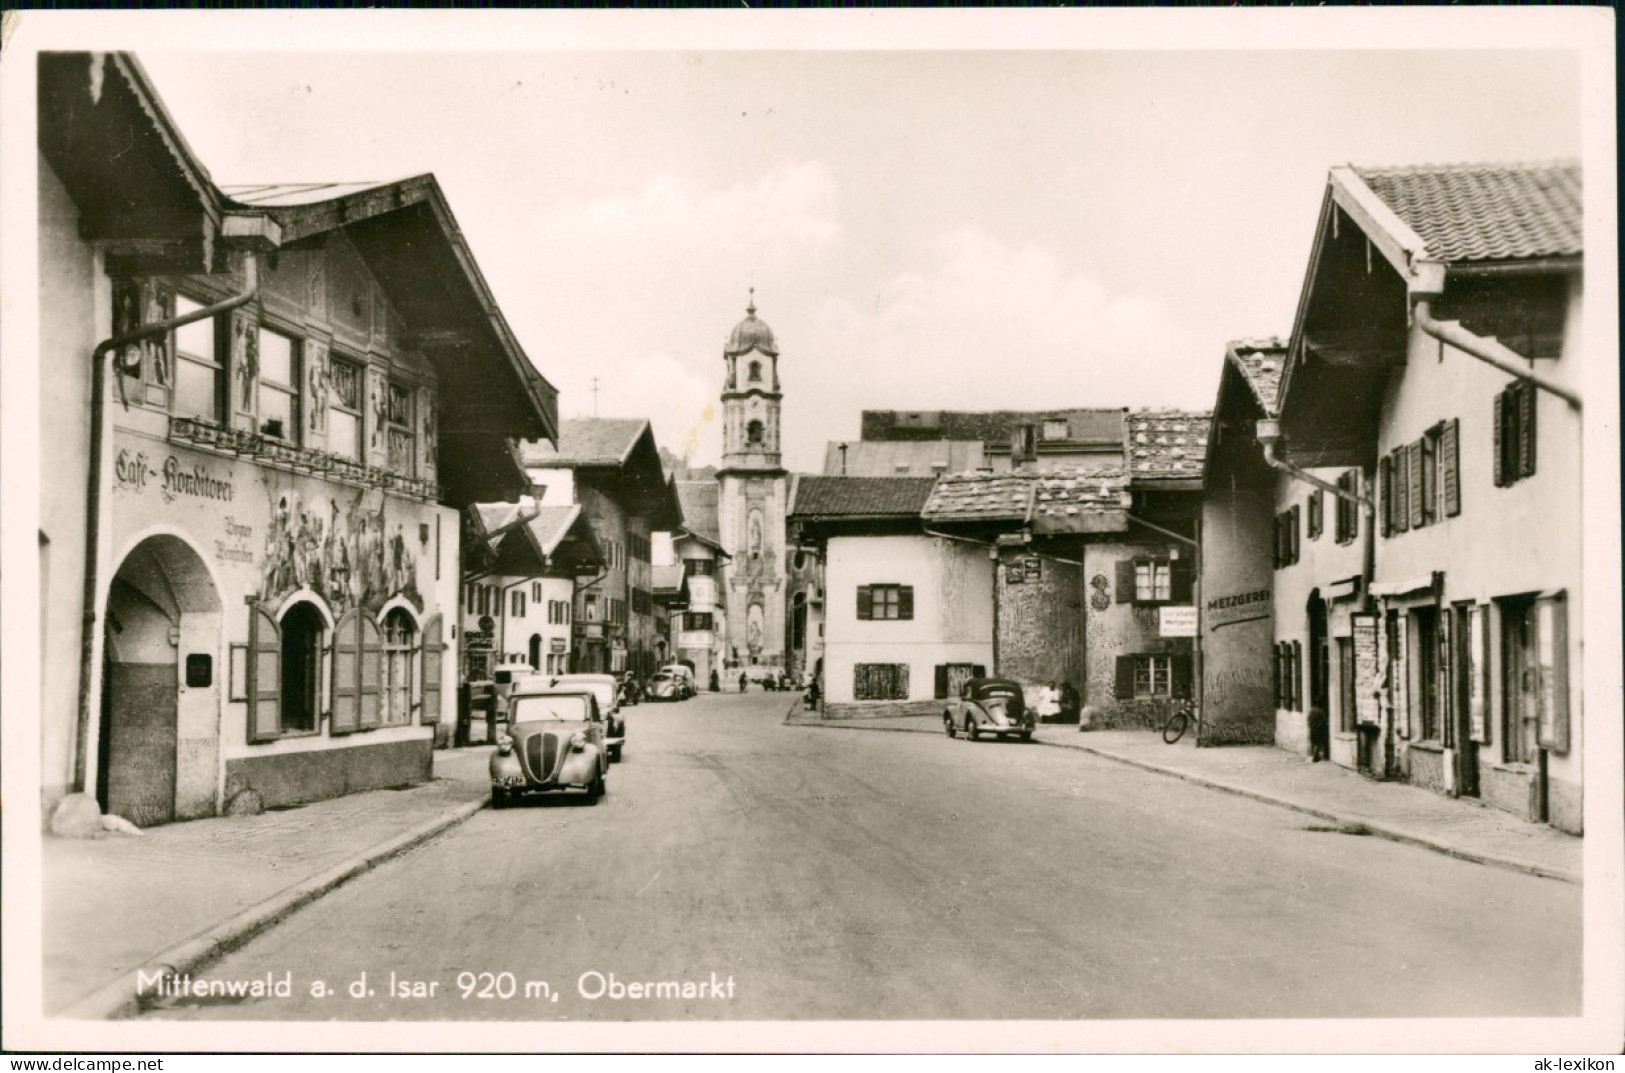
<point x="344" y="414"/>
<point x="198" y="372"/>
<point x="1154" y="580"/>
<point x="880" y="681"/>
<point x="402" y="439"/>
<point x="278" y="391"/>
<point x="885" y="602"/>
<point x="1514" y="439"/>
<point x="1152" y="675"/>
<point x="400" y="647"/>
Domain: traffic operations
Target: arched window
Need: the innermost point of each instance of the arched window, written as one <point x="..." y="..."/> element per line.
<point x="400" y="645"/>
<point x="301" y="668"/>
<point x="753" y="434"/>
<point x="755" y="370"/>
<point x="536" y="650"/>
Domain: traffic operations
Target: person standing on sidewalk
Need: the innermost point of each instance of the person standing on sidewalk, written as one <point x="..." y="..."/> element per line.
<point x="1319" y="736"/>
<point x="743" y="681"/>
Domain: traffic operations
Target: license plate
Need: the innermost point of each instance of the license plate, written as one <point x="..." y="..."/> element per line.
<point x="509" y="780"/>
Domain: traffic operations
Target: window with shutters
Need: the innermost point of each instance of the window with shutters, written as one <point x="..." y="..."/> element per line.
<point x="1347" y="521"/>
<point x="517" y="604"/>
<point x="890" y="602"/>
<point x="432" y="664"/>
<point x="697" y="620"/>
<point x="1289" y="676"/>
<point x="400" y="650"/>
<point x="1149" y="675"/>
<point x="1286" y="538"/>
<point x="880" y="681"/>
<point x="358" y="673"/>
<point x="1158" y="579"/>
<point x="285" y="672"/>
<point x="1514" y="439"/>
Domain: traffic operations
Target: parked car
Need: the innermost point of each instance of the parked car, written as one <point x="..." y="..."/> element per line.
<point x="503" y="677"/>
<point x="989" y="706"/>
<point x="666" y="686"/>
<point x="607" y="691"/>
<point x="554" y="741"/>
<point x="685" y="677"/>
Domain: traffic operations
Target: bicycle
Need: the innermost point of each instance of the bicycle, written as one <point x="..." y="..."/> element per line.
<point x="1180" y="717"/>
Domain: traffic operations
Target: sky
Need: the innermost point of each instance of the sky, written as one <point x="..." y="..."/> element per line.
<point x="950" y="229"/>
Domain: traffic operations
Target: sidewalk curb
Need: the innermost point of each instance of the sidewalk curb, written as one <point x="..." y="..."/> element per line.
<point x="1381" y="830"/>
<point x="119" y="999"/>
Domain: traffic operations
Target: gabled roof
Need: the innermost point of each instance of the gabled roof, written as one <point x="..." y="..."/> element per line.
<point x="589" y="441"/>
<point x="1051" y="501"/>
<point x="901" y="458"/>
<point x="405" y="231"/>
<point x="1486" y="212"/>
<point x="981" y="497"/>
<point x="859" y="497"/>
<point x="552" y="524"/>
<point x="1167" y="445"/>
<point x="1260" y="363"/>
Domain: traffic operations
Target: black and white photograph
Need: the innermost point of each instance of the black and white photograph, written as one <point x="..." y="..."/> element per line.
<point x="1067" y="531"/>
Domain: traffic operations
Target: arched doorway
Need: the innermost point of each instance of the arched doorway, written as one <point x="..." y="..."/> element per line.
<point x="159" y="734"/>
<point x="536" y="651"/>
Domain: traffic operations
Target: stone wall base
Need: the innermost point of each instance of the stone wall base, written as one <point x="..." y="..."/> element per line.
<point x="295" y="778"/>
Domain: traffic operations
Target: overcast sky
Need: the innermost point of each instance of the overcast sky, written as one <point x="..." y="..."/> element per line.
<point x="951" y="229"/>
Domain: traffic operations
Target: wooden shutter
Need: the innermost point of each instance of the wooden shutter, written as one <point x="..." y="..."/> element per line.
<point x="1125" y="581"/>
<point x="1181" y="684"/>
<point x="942" y="681"/>
<point x="1444" y="663"/>
<point x="1123" y="683"/>
<point x="905" y="601"/>
<point x="264" y="675"/>
<point x="1352" y="510"/>
<point x="1551" y="655"/>
<point x="371" y="659"/>
<point x="1413" y="481"/>
<point x="1428" y="446"/>
<point x="1292" y="534"/>
<point x="1297" y="676"/>
<point x="1499" y="438"/>
<point x="1317" y="513"/>
<point x="433" y="660"/>
<point x="346" y="674"/>
<point x="1385" y="487"/>
<point x="1450" y="466"/>
<point x="1179" y="580"/>
<point x="1402" y="490"/>
<point x="1526" y="430"/>
<point x="899" y="681"/>
<point x="1275" y="674"/>
<point x="1476" y="648"/>
<point x="865" y="605"/>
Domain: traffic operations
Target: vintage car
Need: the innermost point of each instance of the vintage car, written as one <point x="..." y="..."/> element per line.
<point x="607" y="690"/>
<point x="667" y="684"/>
<point x="554" y="741"/>
<point x="988" y="706"/>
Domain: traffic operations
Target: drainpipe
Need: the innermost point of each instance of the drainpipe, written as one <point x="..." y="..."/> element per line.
<point x="93" y="498"/>
<point x="1489" y="351"/>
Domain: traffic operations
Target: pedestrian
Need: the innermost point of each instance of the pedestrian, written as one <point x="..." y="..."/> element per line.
<point x="743" y="681"/>
<point x="1319" y="736"/>
<point x="1070" y="702"/>
<point x="716" y="685"/>
<point x="1049" y="703"/>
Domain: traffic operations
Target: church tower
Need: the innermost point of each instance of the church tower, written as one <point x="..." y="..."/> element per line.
<point x="751" y="504"/>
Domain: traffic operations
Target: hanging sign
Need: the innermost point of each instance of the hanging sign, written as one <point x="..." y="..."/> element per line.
<point x="1367" y="669"/>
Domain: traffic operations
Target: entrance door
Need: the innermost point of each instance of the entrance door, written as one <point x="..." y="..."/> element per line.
<point x="1466" y="668"/>
<point x="158" y="742"/>
<point x="1319" y="654"/>
<point x="1520" y="660"/>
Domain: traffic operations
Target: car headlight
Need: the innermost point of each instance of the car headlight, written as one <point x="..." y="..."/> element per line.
<point x="505" y="745"/>
<point x="578" y="741"/>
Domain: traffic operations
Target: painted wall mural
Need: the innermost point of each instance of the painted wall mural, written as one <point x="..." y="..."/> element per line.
<point x="346" y="552"/>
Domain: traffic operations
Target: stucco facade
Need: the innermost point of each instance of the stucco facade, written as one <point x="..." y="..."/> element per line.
<point x="950" y="623"/>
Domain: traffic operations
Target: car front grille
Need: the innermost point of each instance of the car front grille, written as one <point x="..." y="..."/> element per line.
<point x="541" y="750"/>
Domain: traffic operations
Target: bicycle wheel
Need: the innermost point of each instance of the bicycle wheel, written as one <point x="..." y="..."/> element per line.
<point x="1174" y="728"/>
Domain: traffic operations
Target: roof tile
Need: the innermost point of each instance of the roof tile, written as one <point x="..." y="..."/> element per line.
<point x="1167" y="444"/>
<point x="1486" y="212"/>
<point x="860" y="496"/>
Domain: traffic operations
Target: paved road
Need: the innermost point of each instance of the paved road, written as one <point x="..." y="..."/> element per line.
<point x="835" y="874"/>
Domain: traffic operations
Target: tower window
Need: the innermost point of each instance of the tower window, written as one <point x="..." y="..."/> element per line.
<point x="753" y="434"/>
<point x="755" y="370"/>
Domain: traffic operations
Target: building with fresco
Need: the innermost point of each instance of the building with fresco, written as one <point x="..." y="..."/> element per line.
<point x="289" y="394"/>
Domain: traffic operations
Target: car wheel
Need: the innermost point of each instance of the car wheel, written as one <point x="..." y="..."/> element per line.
<point x="972" y="731"/>
<point x="499" y="798"/>
<point x="1026" y="735"/>
<point x="948" y="724"/>
<point x="595" y="790"/>
<point x="615" y="753"/>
